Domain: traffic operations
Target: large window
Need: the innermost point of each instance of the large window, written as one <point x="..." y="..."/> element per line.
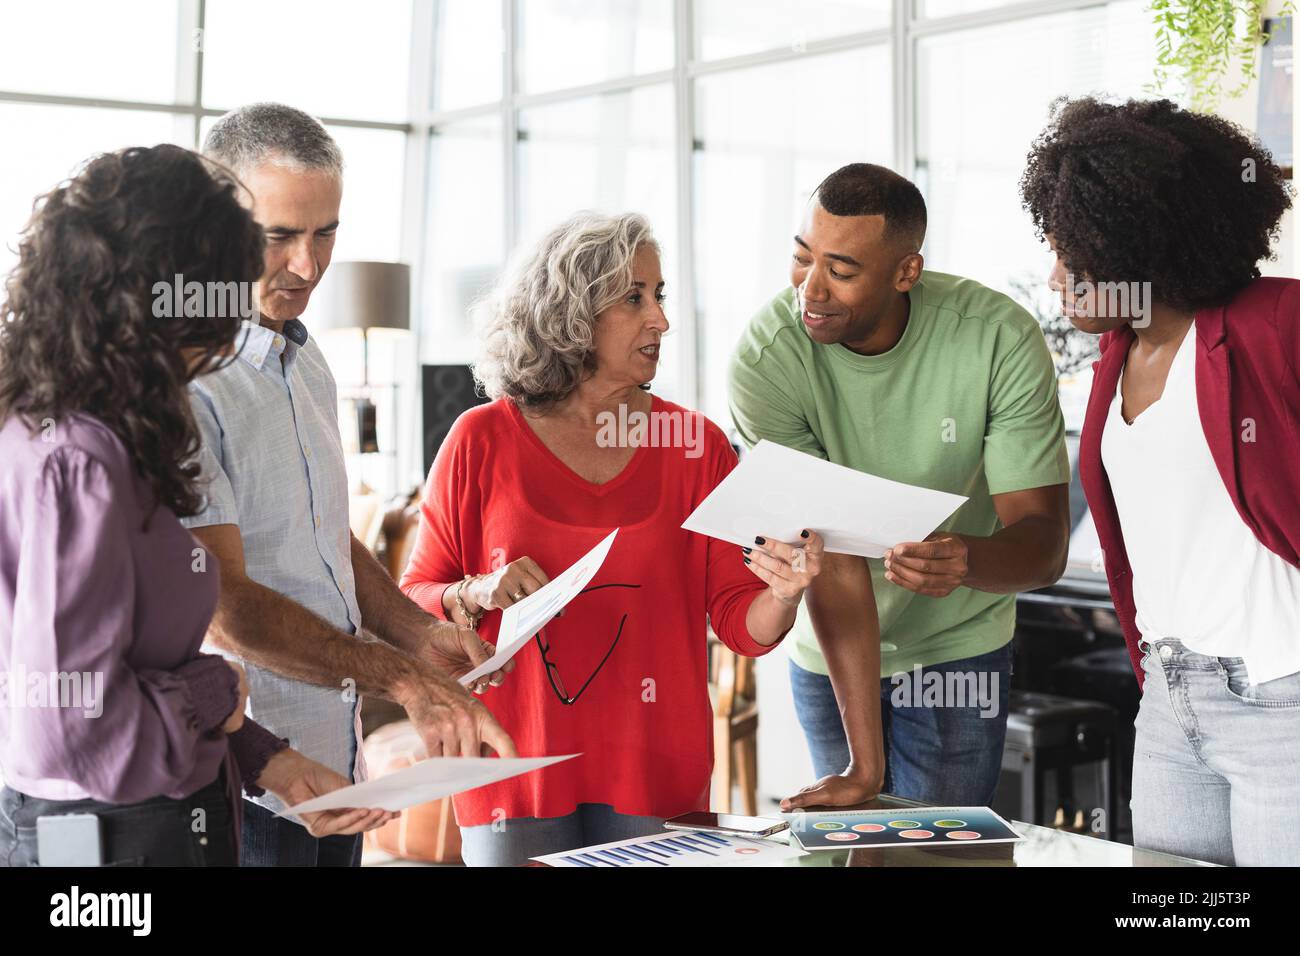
<point x="568" y="43"/>
<point x="55" y="141"/>
<point x="80" y="77"/>
<point x="765" y="137"/>
<point x="466" y="242"/>
<point x="727" y="28"/>
<point x="329" y="57"/>
<point x="983" y="94"/>
<point x="90" y="48"/>
<point x="470" y="127"/>
<point x="717" y="119"/>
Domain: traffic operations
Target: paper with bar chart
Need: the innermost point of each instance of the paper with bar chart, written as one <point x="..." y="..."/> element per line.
<point x="678" y="848"/>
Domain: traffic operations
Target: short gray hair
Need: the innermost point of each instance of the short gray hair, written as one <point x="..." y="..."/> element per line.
<point x="272" y="133"/>
<point x="536" y="326"/>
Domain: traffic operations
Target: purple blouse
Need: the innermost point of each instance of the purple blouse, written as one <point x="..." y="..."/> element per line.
<point x="104" y="694"/>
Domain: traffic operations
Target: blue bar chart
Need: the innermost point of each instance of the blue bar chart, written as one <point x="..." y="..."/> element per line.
<point x="674" y="849"/>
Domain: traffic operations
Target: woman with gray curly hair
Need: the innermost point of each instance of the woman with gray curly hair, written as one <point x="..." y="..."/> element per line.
<point x="572" y="447"/>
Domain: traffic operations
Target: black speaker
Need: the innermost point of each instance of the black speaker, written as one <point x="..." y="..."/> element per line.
<point x="447" y="391"/>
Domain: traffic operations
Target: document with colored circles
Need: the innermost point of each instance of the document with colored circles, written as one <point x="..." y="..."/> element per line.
<point x="927" y="826"/>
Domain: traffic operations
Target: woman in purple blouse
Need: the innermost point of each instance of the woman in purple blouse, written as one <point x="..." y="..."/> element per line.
<point x="107" y="707"/>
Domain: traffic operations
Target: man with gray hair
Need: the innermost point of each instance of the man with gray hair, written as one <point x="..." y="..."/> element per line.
<point x="296" y="585"/>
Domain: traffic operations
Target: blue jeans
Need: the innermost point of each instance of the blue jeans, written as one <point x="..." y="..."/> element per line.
<point x="515" y="842"/>
<point x="1216" y="762"/>
<point x="945" y="754"/>
<point x="269" y="840"/>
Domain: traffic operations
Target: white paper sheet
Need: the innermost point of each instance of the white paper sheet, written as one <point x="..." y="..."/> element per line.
<point x="521" y="621"/>
<point x="777" y="492"/>
<point x="677" y="848"/>
<point x="430" y="779"/>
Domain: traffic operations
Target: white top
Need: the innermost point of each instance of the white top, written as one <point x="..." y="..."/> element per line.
<point x="1199" y="573"/>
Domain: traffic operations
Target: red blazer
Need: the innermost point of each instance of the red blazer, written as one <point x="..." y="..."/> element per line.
<point x="1248" y="394"/>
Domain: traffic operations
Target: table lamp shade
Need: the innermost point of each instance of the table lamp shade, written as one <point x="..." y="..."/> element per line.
<point x="363" y="295"/>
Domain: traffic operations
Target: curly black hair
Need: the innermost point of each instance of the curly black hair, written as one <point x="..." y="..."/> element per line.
<point x="78" y="330"/>
<point x="1146" y="191"/>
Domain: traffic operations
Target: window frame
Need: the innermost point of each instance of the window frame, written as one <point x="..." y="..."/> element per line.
<point x="907" y="26"/>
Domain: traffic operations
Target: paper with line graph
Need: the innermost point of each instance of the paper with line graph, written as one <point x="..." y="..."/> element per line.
<point x="676" y="848"/>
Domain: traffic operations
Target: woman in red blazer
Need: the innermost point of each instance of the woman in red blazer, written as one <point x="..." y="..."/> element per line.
<point x="1190" y="455"/>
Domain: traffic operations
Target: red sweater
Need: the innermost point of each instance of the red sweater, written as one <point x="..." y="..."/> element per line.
<point x="495" y="494"/>
<point x="1248" y="396"/>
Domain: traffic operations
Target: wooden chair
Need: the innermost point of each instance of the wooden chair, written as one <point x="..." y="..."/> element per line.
<point x="733" y="690"/>
<point x="426" y="832"/>
<point x="397" y="533"/>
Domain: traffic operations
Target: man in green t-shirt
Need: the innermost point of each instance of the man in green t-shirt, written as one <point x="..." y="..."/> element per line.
<point x="901" y="666"/>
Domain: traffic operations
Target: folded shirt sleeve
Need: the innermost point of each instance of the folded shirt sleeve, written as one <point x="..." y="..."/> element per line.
<point x="252" y="746"/>
<point x="74" y="614"/>
<point x="219" y="505"/>
<point x="437" y="557"/>
<point x="1024" y="440"/>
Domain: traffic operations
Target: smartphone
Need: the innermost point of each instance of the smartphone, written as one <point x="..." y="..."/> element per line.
<point x="73" y="839"/>
<point x="726" y="823"/>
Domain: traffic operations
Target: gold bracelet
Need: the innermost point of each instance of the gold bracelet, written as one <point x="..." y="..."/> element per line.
<point x="460" y="603"/>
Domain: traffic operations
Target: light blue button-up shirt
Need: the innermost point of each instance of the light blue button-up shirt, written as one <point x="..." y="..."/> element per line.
<point x="272" y="463"/>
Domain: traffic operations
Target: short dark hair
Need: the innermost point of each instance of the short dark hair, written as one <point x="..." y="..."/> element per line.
<point x="1146" y="191"/>
<point x="865" y="189"/>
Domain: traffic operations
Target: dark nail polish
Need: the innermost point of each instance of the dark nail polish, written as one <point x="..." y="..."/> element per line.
<point x="747" y="561"/>
<point x="747" y="550"/>
<point x="760" y="541"/>
<point x="803" y="533"/>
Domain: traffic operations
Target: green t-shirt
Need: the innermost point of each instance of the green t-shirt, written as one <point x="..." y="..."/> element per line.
<point x="965" y="402"/>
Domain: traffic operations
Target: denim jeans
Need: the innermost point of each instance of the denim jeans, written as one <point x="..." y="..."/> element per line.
<point x="946" y="755"/>
<point x="194" y="831"/>
<point x="1216" y="762"/>
<point x="269" y="840"/>
<point x="515" y="842"/>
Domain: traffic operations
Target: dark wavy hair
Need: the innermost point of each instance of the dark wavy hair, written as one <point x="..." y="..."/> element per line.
<point x="1145" y="191"/>
<point x="78" y="331"/>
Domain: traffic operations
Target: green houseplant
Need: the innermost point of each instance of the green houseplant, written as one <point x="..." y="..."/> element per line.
<point x="1198" y="39"/>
